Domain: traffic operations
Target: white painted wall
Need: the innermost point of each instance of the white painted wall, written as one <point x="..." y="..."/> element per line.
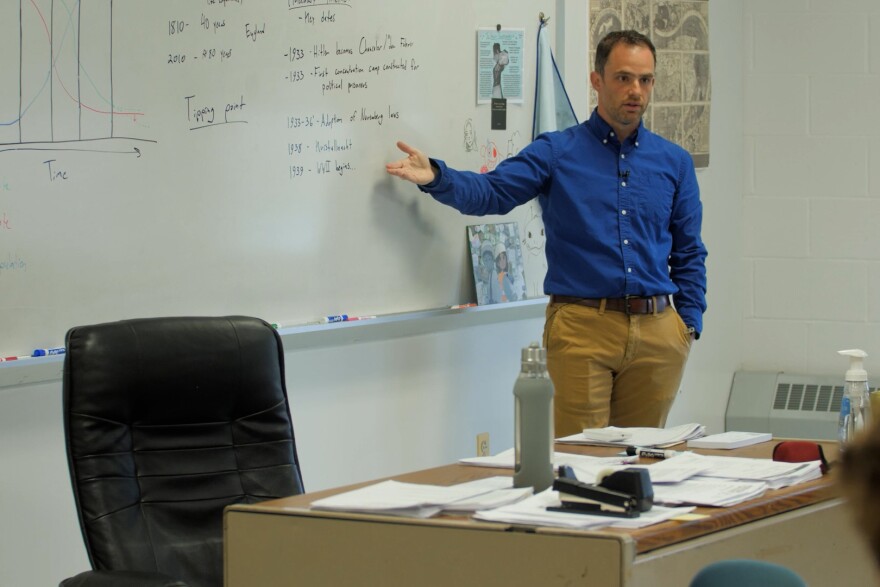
<point x="811" y="205"/>
<point x="376" y="408"/>
<point x="715" y="357"/>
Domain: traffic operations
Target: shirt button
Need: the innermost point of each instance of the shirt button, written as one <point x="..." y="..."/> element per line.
<point x="604" y="141"/>
<point x="637" y="143"/>
<point x="623" y="212"/>
<point x="623" y="155"/>
<point x="611" y="133"/>
<point x="623" y="183"/>
<point x="629" y="270"/>
<point x="626" y="241"/>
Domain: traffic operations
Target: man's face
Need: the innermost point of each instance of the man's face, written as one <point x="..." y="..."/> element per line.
<point x="624" y="89"/>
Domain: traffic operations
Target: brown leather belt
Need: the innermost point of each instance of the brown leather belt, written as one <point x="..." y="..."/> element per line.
<point x="627" y="305"/>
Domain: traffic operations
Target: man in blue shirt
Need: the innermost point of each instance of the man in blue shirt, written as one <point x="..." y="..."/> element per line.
<point x="622" y="215"/>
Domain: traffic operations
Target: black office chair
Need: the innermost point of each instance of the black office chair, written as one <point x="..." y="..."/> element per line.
<point x="167" y="421"/>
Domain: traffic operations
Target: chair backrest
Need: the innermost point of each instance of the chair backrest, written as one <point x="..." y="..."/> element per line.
<point x="746" y="572"/>
<point x="167" y="421"/>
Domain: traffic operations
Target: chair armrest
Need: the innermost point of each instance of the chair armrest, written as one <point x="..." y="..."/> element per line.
<point x="121" y="579"/>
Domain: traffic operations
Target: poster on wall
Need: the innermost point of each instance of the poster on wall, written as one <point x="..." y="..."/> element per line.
<point x="500" y="65"/>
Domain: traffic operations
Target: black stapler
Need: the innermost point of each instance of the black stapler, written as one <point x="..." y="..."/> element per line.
<point x="633" y="481"/>
<point x="623" y="494"/>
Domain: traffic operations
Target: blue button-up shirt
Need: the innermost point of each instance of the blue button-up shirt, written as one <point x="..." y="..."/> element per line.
<point x="620" y="219"/>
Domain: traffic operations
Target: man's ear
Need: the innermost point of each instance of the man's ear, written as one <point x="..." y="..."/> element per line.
<point x="595" y="80"/>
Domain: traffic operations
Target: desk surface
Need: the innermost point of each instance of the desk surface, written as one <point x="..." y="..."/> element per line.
<point x="805" y="527"/>
<point x="647" y="539"/>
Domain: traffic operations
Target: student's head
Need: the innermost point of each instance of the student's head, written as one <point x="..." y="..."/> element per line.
<point x="486" y="254"/>
<point x="623" y="79"/>
<point x="500" y="257"/>
<point x="860" y="478"/>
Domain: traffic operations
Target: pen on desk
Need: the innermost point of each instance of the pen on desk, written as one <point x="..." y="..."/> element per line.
<point x="651" y="453"/>
<point x="336" y="318"/>
<point x="48" y="352"/>
<point x="460" y="306"/>
<point x="355" y="318"/>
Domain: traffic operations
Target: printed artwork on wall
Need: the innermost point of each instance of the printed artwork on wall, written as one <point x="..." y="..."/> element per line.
<point x="679" y="29"/>
<point x="496" y="257"/>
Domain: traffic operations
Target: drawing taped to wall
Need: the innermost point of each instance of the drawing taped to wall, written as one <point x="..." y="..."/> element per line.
<point x="534" y="257"/>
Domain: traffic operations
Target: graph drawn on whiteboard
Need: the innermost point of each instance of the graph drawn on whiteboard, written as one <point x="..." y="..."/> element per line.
<point x="57" y="85"/>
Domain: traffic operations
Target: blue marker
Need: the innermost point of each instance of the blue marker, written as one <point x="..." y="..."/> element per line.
<point x="337" y="318"/>
<point x="48" y="352"/>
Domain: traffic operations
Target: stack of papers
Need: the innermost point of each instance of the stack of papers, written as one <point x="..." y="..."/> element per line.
<point x="585" y="467"/>
<point x="643" y="437"/>
<point x="418" y="500"/>
<point x="724" y="481"/>
<point x="502" y="493"/>
<point x="775" y="474"/>
<point x="533" y="511"/>
<point x="729" y="440"/>
<point x="588" y="469"/>
<point x="708" y="492"/>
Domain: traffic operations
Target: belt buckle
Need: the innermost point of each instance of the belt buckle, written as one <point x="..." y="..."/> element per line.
<point x="628" y="309"/>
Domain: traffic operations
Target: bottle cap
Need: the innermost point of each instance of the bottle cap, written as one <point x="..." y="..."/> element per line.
<point x="534" y="357"/>
<point x="856" y="371"/>
<point x="534" y="353"/>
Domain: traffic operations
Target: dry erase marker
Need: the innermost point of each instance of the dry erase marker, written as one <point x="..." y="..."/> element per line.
<point x="354" y="318"/>
<point x="460" y="306"/>
<point x="15" y="358"/>
<point x="48" y="352"/>
<point x="651" y="453"/>
<point x="336" y="318"/>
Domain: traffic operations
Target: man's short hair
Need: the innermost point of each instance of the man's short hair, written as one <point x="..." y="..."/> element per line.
<point x="608" y="42"/>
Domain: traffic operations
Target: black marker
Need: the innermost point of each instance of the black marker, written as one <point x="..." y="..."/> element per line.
<point x="651" y="453"/>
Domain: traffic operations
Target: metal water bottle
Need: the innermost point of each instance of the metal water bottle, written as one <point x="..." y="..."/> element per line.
<point x="533" y="421"/>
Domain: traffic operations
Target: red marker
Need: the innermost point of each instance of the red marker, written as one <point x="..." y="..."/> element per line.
<point x="460" y="306"/>
<point x="2" y="359"/>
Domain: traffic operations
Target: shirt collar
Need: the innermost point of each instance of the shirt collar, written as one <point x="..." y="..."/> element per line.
<point x="605" y="133"/>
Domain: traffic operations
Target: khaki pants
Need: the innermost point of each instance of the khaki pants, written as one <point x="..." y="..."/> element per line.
<point x="610" y="368"/>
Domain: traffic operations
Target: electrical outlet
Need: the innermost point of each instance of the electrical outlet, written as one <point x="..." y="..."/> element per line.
<point x="483" y="444"/>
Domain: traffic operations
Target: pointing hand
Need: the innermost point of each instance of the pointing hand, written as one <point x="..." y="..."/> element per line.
<point x="415" y="167"/>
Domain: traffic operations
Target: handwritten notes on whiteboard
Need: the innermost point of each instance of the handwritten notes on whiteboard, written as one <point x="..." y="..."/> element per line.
<point x="332" y="77"/>
<point x="227" y="156"/>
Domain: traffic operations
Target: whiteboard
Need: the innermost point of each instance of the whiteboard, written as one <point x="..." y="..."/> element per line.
<point x="227" y="156"/>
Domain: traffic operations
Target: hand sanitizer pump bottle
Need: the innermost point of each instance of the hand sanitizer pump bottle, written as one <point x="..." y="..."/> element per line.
<point x="533" y="421"/>
<point x="855" y="408"/>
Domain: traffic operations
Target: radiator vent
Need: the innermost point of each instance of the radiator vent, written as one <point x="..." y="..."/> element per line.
<point x="809" y="397"/>
<point x="788" y="405"/>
